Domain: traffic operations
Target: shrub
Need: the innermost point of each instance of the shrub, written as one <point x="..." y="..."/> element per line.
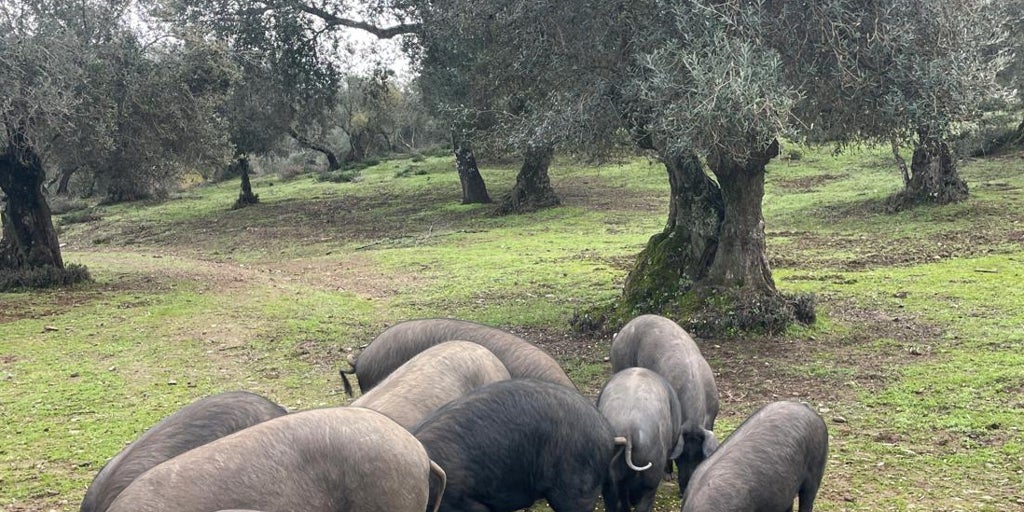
<point x="78" y="217"/>
<point x="342" y="176"/>
<point x="412" y="170"/>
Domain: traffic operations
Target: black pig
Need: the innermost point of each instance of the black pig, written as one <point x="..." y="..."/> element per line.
<point x="510" y="443"/>
<point x="642" y="407"/>
<point x="777" y="454"/>
<point x="659" y="344"/>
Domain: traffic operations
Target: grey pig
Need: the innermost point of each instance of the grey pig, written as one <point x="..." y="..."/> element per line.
<point x="659" y="344"/>
<point x="431" y="379"/>
<point x="641" y="406"/>
<point x="402" y="341"/>
<point x="511" y="443"/>
<point x="322" y="460"/>
<point x="194" y="425"/>
<point x="777" y="454"/>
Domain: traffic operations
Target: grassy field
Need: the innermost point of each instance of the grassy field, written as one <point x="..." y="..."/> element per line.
<point x="916" y="361"/>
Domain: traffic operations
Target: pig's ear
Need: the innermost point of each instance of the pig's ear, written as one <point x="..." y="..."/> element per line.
<point x="678" y="450"/>
<point x="710" y="443"/>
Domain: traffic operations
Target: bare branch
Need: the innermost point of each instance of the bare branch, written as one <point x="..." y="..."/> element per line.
<point x="333" y="20"/>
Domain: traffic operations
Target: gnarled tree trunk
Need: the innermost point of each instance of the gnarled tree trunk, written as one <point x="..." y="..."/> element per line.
<point x="933" y="176"/>
<point x="713" y="246"/>
<point x="63" y="180"/>
<point x="679" y="257"/>
<point x="29" y="239"/>
<point x="245" y="197"/>
<point x="533" y="185"/>
<point x="332" y="160"/>
<point x="473" y="188"/>
<point x="358" y="145"/>
<point x="741" y="262"/>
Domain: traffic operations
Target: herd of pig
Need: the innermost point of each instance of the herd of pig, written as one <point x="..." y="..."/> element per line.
<point x="458" y="416"/>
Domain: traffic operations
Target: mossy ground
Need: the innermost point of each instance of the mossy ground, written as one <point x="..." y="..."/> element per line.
<point x="915" y="361"/>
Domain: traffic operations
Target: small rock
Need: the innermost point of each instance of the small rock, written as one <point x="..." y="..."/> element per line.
<point x="838" y="419"/>
<point x="172" y="382"/>
<point x="50" y="328"/>
<point x="74" y="375"/>
<point x="606" y="359"/>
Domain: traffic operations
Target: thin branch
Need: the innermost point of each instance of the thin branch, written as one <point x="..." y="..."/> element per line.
<point x="900" y="162"/>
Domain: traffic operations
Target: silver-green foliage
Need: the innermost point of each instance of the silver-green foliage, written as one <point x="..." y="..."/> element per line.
<point x="880" y="71"/>
<point x="712" y="80"/>
<point x="717" y="74"/>
<point x="84" y="90"/>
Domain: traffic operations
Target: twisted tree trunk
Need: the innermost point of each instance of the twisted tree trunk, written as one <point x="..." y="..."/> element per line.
<point x="741" y="262"/>
<point x="29" y="239"/>
<point x="473" y="188"/>
<point x="680" y="256"/>
<point x="933" y="176"/>
<point x="709" y="267"/>
<point x="533" y="185"/>
<point x="245" y="197"/>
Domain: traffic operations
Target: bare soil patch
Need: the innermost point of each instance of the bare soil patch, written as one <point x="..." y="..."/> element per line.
<point x="596" y="194"/>
<point x="808" y="183"/>
<point x="756" y="370"/>
<point x="859" y="252"/>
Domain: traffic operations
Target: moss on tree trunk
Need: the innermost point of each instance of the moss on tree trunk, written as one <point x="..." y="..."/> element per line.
<point x="680" y="256"/>
<point x="708" y="269"/>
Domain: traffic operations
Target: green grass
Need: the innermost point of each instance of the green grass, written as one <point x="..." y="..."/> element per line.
<point x="915" y="362"/>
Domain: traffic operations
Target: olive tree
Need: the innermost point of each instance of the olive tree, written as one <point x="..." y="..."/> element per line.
<point x="1013" y="75"/>
<point x="710" y="87"/>
<point x="367" y="112"/>
<point x="163" y="115"/>
<point x="285" y="90"/>
<point x="905" y="72"/>
<point x="82" y="91"/>
<point x="39" y="71"/>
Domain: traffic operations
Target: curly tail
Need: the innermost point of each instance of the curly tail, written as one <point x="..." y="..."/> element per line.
<point x="622" y="441"/>
<point x="443" y="478"/>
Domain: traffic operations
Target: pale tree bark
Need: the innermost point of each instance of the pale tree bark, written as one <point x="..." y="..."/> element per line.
<point x="933" y="176"/>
